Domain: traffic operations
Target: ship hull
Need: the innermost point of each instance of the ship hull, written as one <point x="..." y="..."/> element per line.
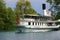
<point x="41" y="29"/>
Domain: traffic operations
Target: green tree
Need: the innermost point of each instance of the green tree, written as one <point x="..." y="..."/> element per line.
<point x="11" y="19"/>
<point x="3" y="13"/>
<point x="24" y="8"/>
<point x="7" y="17"/>
<point x="55" y="5"/>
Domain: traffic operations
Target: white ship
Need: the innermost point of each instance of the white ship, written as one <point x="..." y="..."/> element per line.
<point x="37" y="23"/>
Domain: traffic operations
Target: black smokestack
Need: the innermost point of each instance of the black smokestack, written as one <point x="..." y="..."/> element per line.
<point x="43" y="6"/>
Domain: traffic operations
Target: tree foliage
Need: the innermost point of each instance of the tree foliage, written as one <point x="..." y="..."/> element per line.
<point x="11" y="18"/>
<point x="24" y="8"/>
<point x="2" y="13"/>
<point x="7" y="17"/>
<point x="55" y="5"/>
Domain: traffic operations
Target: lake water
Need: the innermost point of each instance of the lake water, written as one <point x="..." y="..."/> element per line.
<point x="53" y="35"/>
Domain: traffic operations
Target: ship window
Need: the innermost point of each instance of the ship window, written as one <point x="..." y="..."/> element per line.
<point x="33" y="23"/>
<point x="29" y="23"/>
<point x="38" y="23"/>
<point x="42" y="23"/>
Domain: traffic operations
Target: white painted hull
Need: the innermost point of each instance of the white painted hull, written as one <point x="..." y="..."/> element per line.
<point x="30" y="30"/>
<point x="37" y="29"/>
<point x="30" y="26"/>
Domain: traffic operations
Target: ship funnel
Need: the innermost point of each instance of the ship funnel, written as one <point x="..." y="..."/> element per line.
<point x="44" y="10"/>
<point x="43" y="6"/>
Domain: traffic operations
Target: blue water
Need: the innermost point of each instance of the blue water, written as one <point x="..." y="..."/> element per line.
<point x="53" y="35"/>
